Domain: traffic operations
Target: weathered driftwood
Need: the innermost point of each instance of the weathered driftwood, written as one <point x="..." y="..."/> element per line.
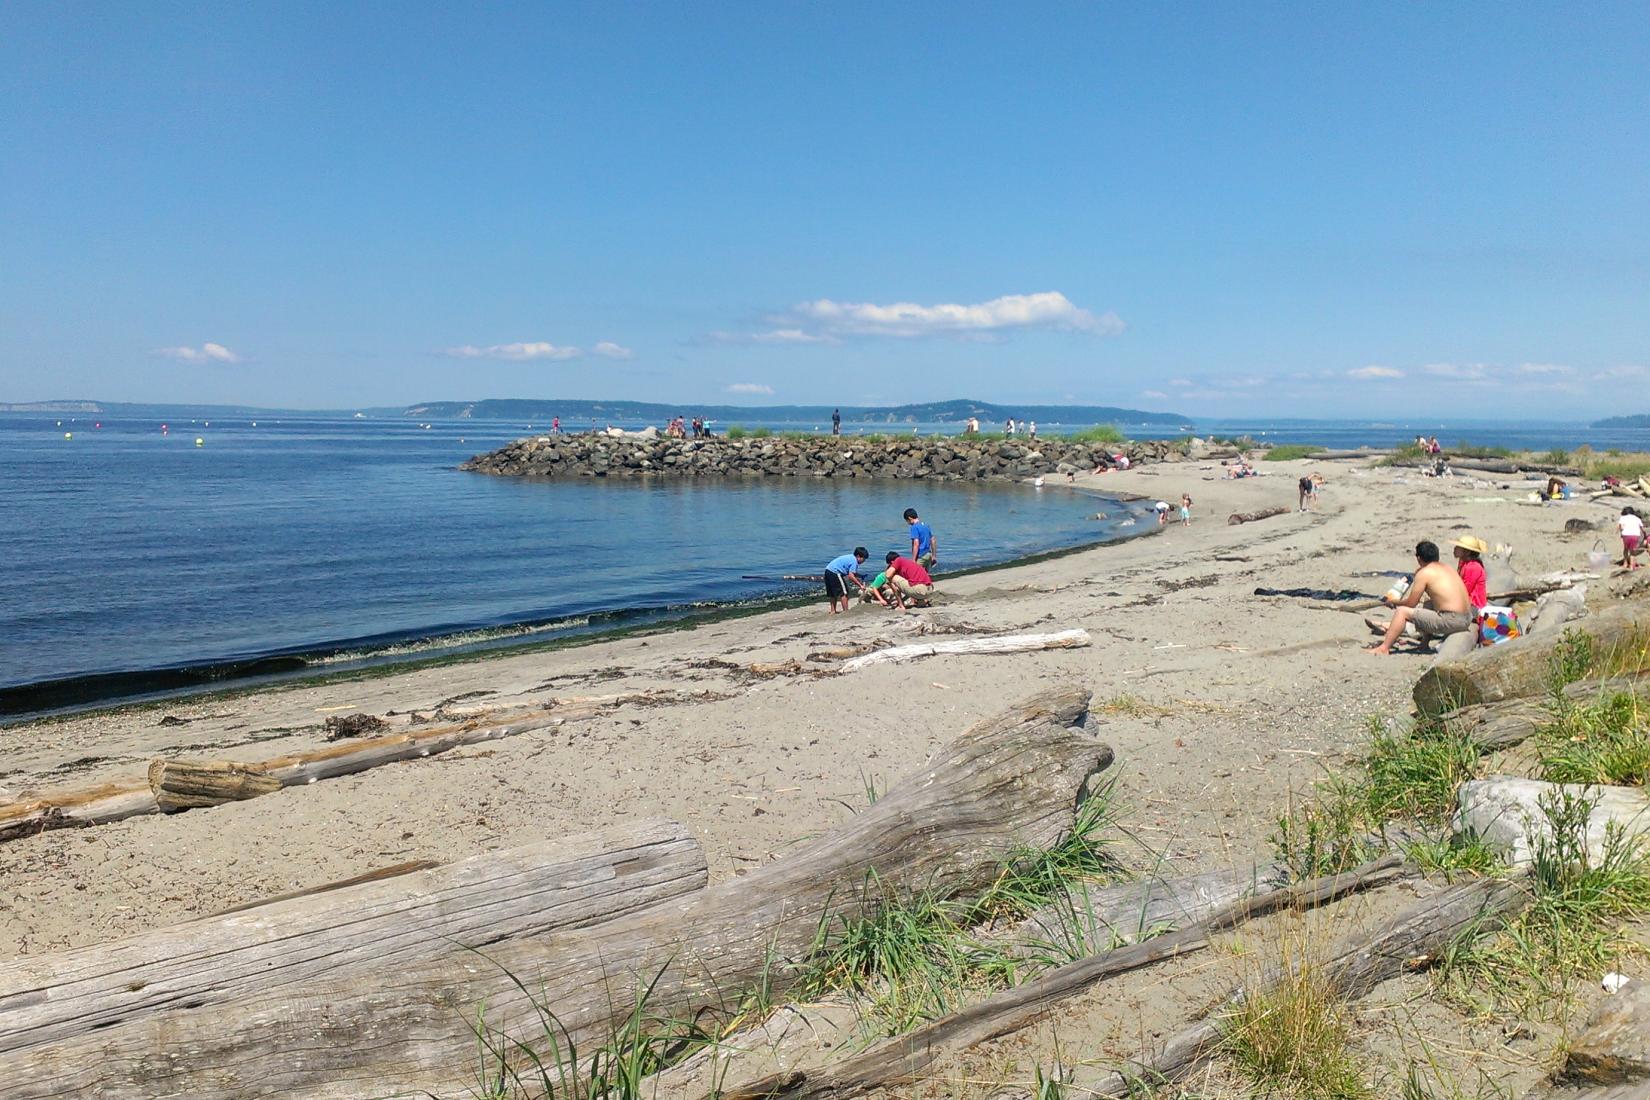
<point x="903" y="1059"/>
<point x="199" y="783"/>
<point x="284" y="945"/>
<point x="1008" y="643"/>
<point x="1522" y="666"/>
<point x="1103" y="918"/>
<point x="1411" y="941"/>
<point x="1250" y="517"/>
<point x="1614" y="1045"/>
<point x="1010" y="781"/>
<point x="184" y="785"/>
<point x="1502" y="725"/>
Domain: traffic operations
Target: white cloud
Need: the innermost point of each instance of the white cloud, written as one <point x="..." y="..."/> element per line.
<point x="1462" y="372"/>
<point x="518" y="353"/>
<point x="1373" y="372"/>
<point x="750" y="387"/>
<point x="206" y="353"/>
<point x="1048" y="309"/>
<point x="1156" y="394"/>
<point x="1542" y="368"/>
<point x="607" y="349"/>
<point x="1183" y="383"/>
<point x="1611" y="374"/>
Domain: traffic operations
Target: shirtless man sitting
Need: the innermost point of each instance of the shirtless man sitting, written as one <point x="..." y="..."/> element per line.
<point x="1448" y="610"/>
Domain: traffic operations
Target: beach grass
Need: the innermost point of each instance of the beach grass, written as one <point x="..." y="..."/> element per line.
<point x="1573" y="928"/>
<point x="1605" y="740"/>
<point x="1100" y="433"/>
<point x="1292" y="1037"/>
<point x="1285" y="452"/>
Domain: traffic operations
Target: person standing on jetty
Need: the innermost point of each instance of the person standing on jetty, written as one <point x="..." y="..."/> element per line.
<point x="839" y="572"/>
<point x="1450" y="608"/>
<point x="836" y="421"/>
<point x="923" y="550"/>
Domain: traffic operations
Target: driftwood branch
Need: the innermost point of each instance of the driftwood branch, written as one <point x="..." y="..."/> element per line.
<point x="1010" y="782"/>
<point x="1008" y="643"/>
<point x="1250" y="517"/>
<point x="1411" y="941"/>
<point x="1502" y="725"/>
<point x="902" y="1060"/>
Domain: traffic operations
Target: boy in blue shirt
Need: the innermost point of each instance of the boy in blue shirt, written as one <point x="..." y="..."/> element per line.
<point x="922" y="540"/>
<point x="839" y="572"/>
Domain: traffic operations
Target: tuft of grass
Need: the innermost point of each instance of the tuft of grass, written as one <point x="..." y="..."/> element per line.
<point x="1573" y="927"/>
<point x="1556" y="457"/>
<point x="1416" y="775"/>
<point x="1573" y="658"/>
<point x="1285" y="452"/>
<point x="1411" y="776"/>
<point x="1100" y="433"/>
<point x="1292" y="1038"/>
<point x="734" y="432"/>
<point x="1463" y="449"/>
<point x="761" y="433"/>
<point x="1451" y="855"/>
<point x="906" y="959"/>
<point x="1606" y="740"/>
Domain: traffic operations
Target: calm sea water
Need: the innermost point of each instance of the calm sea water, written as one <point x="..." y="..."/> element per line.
<point x="137" y="562"/>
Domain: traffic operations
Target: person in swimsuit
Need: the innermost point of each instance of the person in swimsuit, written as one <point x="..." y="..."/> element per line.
<point x="1450" y="610"/>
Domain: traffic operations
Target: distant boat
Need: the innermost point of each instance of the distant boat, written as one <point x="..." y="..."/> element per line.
<point x="360" y="416"/>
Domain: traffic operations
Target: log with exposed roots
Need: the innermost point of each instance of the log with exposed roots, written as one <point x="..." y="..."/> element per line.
<point x="1010" y="782"/>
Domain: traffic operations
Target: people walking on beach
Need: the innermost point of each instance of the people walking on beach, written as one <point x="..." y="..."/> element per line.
<point x="924" y="550"/>
<point x="1162" y="509"/>
<point x="836" y="421"/>
<point x="910" y="581"/>
<point x="1185" y="510"/>
<point x="1469" y="562"/>
<point x="1631" y="526"/>
<point x="1031" y="431"/>
<point x="1008" y="427"/>
<point x="1449" y="610"/>
<point x="840" y="572"/>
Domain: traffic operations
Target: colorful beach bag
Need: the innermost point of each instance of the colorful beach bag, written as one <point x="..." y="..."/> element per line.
<point x="1497" y="625"/>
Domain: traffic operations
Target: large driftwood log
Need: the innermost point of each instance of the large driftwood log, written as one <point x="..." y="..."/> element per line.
<point x="183" y="785"/>
<point x="902" y="1060"/>
<point x="564" y="883"/>
<point x="1411" y="941"/>
<point x="1522" y="667"/>
<point x="1010" y="781"/>
<point x="1250" y="517"/>
<point x="1008" y="643"/>
<point x="1502" y="725"/>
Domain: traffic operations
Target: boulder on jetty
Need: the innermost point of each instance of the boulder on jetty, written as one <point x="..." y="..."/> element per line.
<point x="940" y="458"/>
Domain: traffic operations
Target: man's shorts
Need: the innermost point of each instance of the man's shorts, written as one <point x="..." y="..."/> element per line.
<point x="914" y="591"/>
<point x="927" y="560"/>
<point x="1440" y="624"/>
<point x="835" y="585"/>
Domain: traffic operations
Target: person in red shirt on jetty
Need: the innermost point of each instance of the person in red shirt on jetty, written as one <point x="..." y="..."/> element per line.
<point x="1469" y="562"/>
<point x="909" y="580"/>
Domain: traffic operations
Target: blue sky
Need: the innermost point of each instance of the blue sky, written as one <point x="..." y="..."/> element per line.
<point x="1267" y="209"/>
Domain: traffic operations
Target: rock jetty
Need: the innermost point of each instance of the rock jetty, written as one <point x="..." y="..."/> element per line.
<point x="938" y="458"/>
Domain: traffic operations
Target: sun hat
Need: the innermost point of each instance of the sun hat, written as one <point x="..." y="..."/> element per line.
<point x="1476" y="545"/>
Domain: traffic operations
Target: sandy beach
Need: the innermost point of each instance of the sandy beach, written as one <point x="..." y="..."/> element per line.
<point x="1220" y="706"/>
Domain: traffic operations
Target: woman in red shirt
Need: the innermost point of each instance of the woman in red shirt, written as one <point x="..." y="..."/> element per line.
<point x="1469" y="555"/>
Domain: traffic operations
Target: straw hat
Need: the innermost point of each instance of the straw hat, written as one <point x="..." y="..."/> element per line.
<point x="1476" y="545"/>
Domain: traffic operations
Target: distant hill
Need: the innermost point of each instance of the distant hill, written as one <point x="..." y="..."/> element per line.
<point x="1642" y="420"/>
<point x="82" y="407"/>
<point x="941" y="412"/>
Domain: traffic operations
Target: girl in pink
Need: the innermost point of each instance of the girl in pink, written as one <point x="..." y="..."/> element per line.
<point x="1469" y="558"/>
<point x="1632" y="536"/>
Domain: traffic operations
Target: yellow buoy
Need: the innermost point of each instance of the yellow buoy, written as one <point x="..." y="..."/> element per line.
<point x="68" y="435"/>
<point x="199" y="442"/>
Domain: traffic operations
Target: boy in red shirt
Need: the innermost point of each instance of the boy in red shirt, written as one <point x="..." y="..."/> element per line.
<point x="909" y="580"/>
